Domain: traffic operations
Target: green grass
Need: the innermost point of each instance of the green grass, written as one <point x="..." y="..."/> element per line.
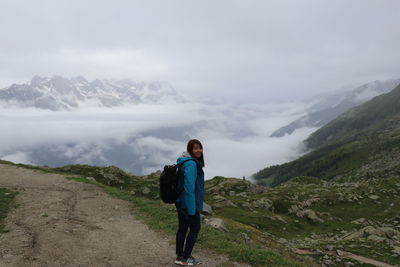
<point x="6" y="203"/>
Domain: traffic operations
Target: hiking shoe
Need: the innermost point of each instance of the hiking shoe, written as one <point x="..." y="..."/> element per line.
<point x="193" y="260"/>
<point x="180" y="260"/>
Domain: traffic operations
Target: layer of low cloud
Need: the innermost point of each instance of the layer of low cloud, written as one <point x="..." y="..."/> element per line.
<point x="143" y="138"/>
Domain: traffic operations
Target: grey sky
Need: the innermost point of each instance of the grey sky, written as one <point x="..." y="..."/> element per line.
<point x="249" y="51"/>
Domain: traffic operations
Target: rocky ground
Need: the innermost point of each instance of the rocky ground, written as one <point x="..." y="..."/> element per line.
<point x="339" y="224"/>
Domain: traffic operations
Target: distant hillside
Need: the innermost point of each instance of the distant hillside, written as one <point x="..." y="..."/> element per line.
<point x="362" y="143"/>
<point x="331" y="106"/>
<point x="60" y="93"/>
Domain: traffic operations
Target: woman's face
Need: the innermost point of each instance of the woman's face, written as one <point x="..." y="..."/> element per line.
<point x="197" y="151"/>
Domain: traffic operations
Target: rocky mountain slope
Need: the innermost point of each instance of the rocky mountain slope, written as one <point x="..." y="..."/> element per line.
<point x="360" y="144"/>
<point x="60" y="93"/>
<point x="333" y="105"/>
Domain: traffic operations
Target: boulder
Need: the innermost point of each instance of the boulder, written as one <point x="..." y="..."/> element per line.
<point x="309" y="214"/>
<point x="207" y="209"/>
<point x="396" y="250"/>
<point x="216" y="223"/>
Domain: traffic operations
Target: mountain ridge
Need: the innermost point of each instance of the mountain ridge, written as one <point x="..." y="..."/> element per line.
<point x="331" y="106"/>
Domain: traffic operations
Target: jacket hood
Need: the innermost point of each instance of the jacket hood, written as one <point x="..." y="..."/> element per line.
<point x="185" y="155"/>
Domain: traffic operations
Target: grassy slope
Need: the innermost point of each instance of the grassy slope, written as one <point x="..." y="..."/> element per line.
<point x="162" y="217"/>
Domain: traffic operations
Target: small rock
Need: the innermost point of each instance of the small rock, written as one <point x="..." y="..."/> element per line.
<point x="90" y="179"/>
<point x="374" y="197"/>
<point x="245" y="236"/>
<point x="145" y="190"/>
<point x="339" y="252"/>
<point x="359" y="221"/>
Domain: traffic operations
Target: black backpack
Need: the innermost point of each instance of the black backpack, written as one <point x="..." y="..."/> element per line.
<point x="169" y="182"/>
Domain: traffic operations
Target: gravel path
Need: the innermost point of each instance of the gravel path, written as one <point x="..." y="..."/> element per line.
<point x="60" y="222"/>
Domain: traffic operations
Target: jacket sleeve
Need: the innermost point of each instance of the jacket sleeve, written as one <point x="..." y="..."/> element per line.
<point x="190" y="175"/>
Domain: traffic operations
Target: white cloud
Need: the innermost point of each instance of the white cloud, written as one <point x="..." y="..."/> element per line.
<point x="18" y="157"/>
<point x="235" y="137"/>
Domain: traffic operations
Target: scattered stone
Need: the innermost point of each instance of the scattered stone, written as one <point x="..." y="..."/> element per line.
<point x="374" y="197"/>
<point x="263" y="203"/>
<point x="218" y="198"/>
<point x="396" y="250"/>
<point x="376" y="238"/>
<point x="282" y="240"/>
<point x="329" y="247"/>
<point x="90" y="179"/>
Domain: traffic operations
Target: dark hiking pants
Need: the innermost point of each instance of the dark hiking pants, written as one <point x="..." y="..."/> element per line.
<point x="187" y="221"/>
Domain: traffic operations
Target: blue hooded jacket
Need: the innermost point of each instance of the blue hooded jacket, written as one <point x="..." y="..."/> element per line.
<point x="192" y="181"/>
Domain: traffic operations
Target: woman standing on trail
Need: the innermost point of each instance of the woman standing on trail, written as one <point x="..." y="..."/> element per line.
<point x="190" y="202"/>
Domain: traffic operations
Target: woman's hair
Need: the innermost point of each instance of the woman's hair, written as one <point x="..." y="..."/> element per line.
<point x="190" y="146"/>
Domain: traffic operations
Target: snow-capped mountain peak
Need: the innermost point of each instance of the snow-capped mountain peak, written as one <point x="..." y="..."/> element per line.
<point x="60" y="93"/>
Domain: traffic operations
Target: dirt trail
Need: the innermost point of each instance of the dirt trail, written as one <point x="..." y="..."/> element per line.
<point x="60" y="222"/>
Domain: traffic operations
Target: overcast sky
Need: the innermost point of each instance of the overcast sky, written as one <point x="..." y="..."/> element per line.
<point x="249" y="51"/>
